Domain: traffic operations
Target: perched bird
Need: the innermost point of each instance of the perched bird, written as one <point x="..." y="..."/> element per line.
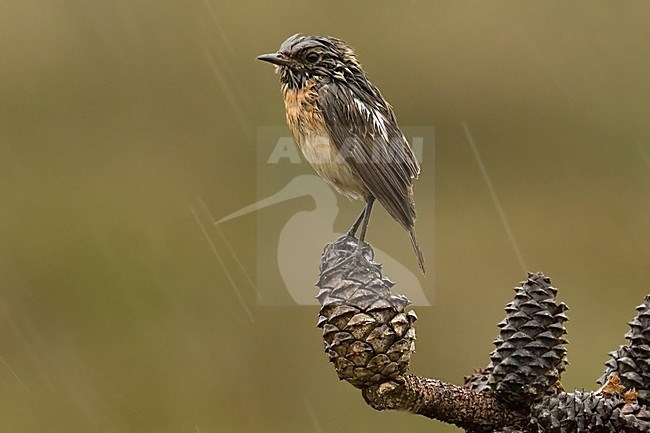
<point x="345" y="128"/>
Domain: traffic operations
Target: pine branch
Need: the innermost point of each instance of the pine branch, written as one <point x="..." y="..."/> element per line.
<point x="370" y="337"/>
<point x="471" y="410"/>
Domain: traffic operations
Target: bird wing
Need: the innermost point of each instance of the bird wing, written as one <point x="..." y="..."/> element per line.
<point x="364" y="129"/>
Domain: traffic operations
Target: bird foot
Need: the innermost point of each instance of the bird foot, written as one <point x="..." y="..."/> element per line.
<point x="358" y="251"/>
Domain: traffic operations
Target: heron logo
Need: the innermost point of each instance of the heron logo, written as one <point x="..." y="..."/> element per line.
<point x="296" y="215"/>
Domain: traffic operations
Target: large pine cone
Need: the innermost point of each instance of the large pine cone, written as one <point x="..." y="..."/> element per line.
<point x="632" y="361"/>
<point x="367" y="334"/>
<point x="530" y="354"/>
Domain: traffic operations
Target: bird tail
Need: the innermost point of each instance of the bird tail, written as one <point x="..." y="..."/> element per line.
<point x="418" y="252"/>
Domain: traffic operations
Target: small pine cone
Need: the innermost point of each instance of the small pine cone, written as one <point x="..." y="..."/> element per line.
<point x="530" y="352"/>
<point x="478" y="381"/>
<point x="367" y="334"/>
<point x="632" y="361"/>
<point x="579" y="412"/>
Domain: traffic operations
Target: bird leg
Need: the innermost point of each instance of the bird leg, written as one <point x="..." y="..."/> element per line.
<point x="366" y="218"/>
<point x="362" y="219"/>
<point x="363" y="216"/>
<point x="353" y="230"/>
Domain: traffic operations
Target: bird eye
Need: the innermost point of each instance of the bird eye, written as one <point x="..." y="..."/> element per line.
<point x="311" y="57"/>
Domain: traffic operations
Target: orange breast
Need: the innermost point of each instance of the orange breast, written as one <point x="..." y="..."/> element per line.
<point x="308" y="128"/>
<point x="303" y="115"/>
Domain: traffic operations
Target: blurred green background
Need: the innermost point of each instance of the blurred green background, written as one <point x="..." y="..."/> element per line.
<point x="119" y="119"/>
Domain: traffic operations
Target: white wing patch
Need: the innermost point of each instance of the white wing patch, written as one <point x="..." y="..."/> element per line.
<point x="374" y="116"/>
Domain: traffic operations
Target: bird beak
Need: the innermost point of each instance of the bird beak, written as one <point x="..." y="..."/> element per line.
<point x="275" y="58"/>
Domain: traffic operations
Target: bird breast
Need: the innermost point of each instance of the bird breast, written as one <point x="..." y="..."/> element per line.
<point x="308" y="128"/>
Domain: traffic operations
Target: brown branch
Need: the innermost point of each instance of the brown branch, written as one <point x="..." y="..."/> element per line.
<point x="471" y="410"/>
<point x="369" y="336"/>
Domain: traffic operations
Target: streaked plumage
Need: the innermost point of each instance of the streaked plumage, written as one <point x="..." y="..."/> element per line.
<point x="346" y="129"/>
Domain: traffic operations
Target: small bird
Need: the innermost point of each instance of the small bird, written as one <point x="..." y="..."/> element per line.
<point x="346" y="130"/>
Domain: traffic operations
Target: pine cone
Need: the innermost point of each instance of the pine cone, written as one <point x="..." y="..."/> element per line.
<point x="367" y="334"/>
<point x="479" y="380"/>
<point x="579" y="412"/>
<point x="530" y="355"/>
<point x="632" y="361"/>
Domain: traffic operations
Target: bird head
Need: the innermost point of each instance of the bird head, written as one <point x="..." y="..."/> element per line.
<point x="322" y="57"/>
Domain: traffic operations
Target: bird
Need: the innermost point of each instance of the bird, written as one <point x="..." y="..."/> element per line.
<point x="346" y="130"/>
